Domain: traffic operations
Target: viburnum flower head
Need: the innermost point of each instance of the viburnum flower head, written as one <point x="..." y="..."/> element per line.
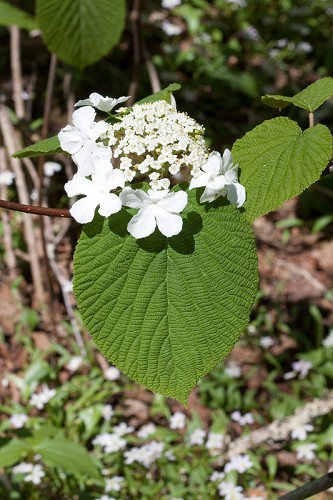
<point x="155" y="138"/>
<point x="156" y="208"/>
<point x="219" y="176"/>
<point x="102" y="103"/>
<point x="79" y="140"/>
<point x="97" y="192"/>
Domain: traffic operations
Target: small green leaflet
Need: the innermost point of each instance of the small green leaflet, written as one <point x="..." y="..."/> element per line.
<point x="47" y="147"/>
<point x="80" y="32"/>
<point x="166" y="311"/>
<point x="278" y="161"/>
<point x="10" y="16"/>
<point x="310" y="98"/>
<point x="162" y="95"/>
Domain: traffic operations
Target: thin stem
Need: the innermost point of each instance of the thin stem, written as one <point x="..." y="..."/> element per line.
<point x="311" y="120"/>
<point x="31" y="209"/>
<point x="308" y="490"/>
<point x="135" y="21"/>
<point x="15" y="62"/>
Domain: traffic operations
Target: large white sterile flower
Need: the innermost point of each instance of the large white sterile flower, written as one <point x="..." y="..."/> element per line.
<point x="102" y="103"/>
<point x="159" y="208"/>
<point x="97" y="192"/>
<point x="220" y="177"/>
<point x="79" y="140"/>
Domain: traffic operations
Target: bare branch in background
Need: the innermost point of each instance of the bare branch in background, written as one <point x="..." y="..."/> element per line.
<point x="15" y="61"/>
<point x="153" y="75"/>
<point x="135" y="22"/>
<point x="7" y="233"/>
<point x="308" y="490"/>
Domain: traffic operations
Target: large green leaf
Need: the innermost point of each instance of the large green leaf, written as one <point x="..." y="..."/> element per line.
<point x="166" y="311"/>
<point x="310" y="98"/>
<point x="71" y="457"/>
<point x="46" y="147"/>
<point x="278" y="161"/>
<point x="10" y="16"/>
<point x="12" y="452"/>
<point x="81" y="31"/>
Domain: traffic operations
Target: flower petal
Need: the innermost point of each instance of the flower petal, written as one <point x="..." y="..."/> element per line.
<point x="142" y="224"/>
<point x="109" y="204"/>
<point x="236" y="194"/>
<point x="78" y="185"/>
<point x="97" y="130"/>
<point x="134" y="198"/>
<point x="200" y="181"/>
<point x="115" y="178"/>
<point x="226" y="163"/>
<point x="70" y="139"/>
<point x="210" y="195"/>
<point x="174" y="202"/>
<point x="168" y="223"/>
<point x="213" y="164"/>
<point x="83" y="118"/>
<point x="83" y="159"/>
<point x="83" y="210"/>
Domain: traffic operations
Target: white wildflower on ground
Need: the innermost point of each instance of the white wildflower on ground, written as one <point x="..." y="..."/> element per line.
<point x="41" y="398"/>
<point x="112" y="373"/>
<point x="171" y="29"/>
<point x="306" y="451"/>
<point x="106" y="497"/>
<point x="217" y="476"/>
<point x="266" y="341"/>
<point x="80" y="139"/>
<point x="233" y="369"/>
<point x="246" y="419"/>
<point x="229" y="491"/>
<point x="33" y="472"/>
<point x="219" y="176"/>
<point x="122" y="429"/>
<point x="170" y="4"/>
<point x="170" y="456"/>
<point x="146" y="431"/>
<point x="156" y="208"/>
<point x="240" y="463"/>
<point x="215" y="442"/>
<point x="301" y="432"/>
<point x="6" y="178"/>
<point x="97" y="193"/>
<point x="51" y="167"/>
<point x="328" y="341"/>
<point x="115" y="483"/>
<point x="300" y="368"/>
<point x="74" y="363"/>
<point x="145" y="455"/>
<point x="107" y="412"/>
<point x="110" y="442"/>
<point x="17" y="420"/>
<point x="177" y="420"/>
<point x="197" y="437"/>
<point x="102" y="103"/>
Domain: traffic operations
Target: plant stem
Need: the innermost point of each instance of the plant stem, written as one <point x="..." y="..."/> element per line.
<point x="308" y="490"/>
<point x="31" y="209"/>
<point x="311" y="120"/>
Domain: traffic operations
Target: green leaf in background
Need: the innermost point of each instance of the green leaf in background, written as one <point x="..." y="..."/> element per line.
<point x="47" y="147"/>
<point x="162" y="95"/>
<point x="310" y="98"/>
<point x="69" y="456"/>
<point x="12" y="16"/>
<point x="278" y="161"/>
<point x="166" y="311"/>
<point x="80" y="32"/>
<point x="12" y="452"/>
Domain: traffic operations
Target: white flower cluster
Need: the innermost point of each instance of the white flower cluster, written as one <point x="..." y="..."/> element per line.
<point x="33" y="472"/>
<point x="156" y="140"/>
<point x="148" y="142"/>
<point x="145" y="455"/>
<point x="40" y="399"/>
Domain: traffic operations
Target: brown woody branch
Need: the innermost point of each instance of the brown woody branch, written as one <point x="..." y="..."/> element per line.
<point x="31" y="209"/>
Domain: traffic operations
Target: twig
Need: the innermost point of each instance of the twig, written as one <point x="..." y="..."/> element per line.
<point x="152" y="73"/>
<point x="15" y="62"/>
<point x="7" y="233"/>
<point x="308" y="490"/>
<point x="135" y="21"/>
<point x="32" y="209"/>
<point x="279" y="430"/>
<point x="311" y="120"/>
<point x="8" y="133"/>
